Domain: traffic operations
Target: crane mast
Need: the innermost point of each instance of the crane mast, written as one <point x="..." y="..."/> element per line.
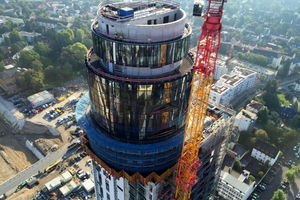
<point x="205" y="62"/>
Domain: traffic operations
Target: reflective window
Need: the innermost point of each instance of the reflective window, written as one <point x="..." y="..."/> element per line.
<point x="135" y="113"/>
<point x="141" y="55"/>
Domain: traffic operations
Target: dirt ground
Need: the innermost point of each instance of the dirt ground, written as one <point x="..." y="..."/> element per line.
<point x="14" y="156"/>
<point x="26" y="194"/>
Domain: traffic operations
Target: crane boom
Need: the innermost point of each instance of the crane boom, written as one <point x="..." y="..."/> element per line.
<point x="205" y="62"/>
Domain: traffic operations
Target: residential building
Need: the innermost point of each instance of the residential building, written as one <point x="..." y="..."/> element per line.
<point x="295" y="63"/>
<point x="221" y="69"/>
<point x="297" y="86"/>
<point x="254" y="106"/>
<point x="8" y="79"/>
<point x="263" y="152"/>
<point x="231" y="85"/>
<point x="30" y="36"/>
<point x="263" y="73"/>
<point x="244" y="119"/>
<point x="235" y="186"/>
<point x="52" y="24"/>
<point x="5" y="19"/>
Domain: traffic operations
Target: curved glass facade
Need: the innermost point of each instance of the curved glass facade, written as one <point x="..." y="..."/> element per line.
<point x="139" y="113"/>
<point x="152" y="55"/>
<point x="133" y="158"/>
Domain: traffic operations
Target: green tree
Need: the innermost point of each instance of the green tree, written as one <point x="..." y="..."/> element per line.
<point x="296" y="121"/>
<point x="17" y="46"/>
<point x="1" y="66"/>
<point x="284" y="70"/>
<point x="79" y="35"/>
<point x="42" y="49"/>
<point x="260" y="174"/>
<point x="237" y="166"/>
<point x="36" y="65"/>
<point x="269" y="95"/>
<point x="291" y="173"/>
<point x="74" y="54"/>
<point x="252" y="178"/>
<point x="31" y="80"/>
<point x="50" y="74"/>
<point x="278" y="195"/>
<point x="271" y="86"/>
<point x="262" y="116"/>
<point x="261" y="134"/>
<point x="65" y="37"/>
<point x="15" y="36"/>
<point x="27" y="57"/>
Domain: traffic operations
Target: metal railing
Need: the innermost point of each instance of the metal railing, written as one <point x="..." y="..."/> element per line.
<point x="114" y="16"/>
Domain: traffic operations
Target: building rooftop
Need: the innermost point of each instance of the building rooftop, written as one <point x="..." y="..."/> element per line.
<point x="243" y="71"/>
<point x="125" y="11"/>
<point x="29" y="34"/>
<point x="219" y="88"/>
<point x="246" y="114"/>
<point x="234" y="179"/>
<point x="232" y="80"/>
<point x="7" y="67"/>
<point x="266" y="148"/>
<point x="255" y="105"/>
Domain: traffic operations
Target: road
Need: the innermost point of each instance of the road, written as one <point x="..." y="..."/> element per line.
<point x="11" y="184"/>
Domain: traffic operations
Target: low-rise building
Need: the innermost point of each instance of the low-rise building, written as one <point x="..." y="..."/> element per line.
<point x="231" y="85"/>
<point x="68" y="188"/>
<point x="39" y="99"/>
<point x="235" y="186"/>
<point x="244" y="119"/>
<point x="255" y="106"/>
<point x="264" y="152"/>
<point x="52" y="24"/>
<point x="8" y="79"/>
<point x="220" y="70"/>
<point x="297" y="86"/>
<point x="30" y="36"/>
<point x="263" y="73"/>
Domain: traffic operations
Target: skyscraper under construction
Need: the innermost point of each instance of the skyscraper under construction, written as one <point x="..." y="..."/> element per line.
<point x="139" y="76"/>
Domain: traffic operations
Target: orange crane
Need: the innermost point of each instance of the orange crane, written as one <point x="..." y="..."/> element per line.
<point x="205" y="62"/>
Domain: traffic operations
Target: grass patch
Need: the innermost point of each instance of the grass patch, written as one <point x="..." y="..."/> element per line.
<point x="283" y="100"/>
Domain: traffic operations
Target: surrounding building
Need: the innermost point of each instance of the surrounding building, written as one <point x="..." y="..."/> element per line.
<point x="39" y="99"/>
<point x="263" y="152"/>
<point x="229" y="86"/>
<point x="30" y="36"/>
<point x="244" y="119"/>
<point x="263" y="73"/>
<point x="234" y="185"/>
<point x="221" y="69"/>
<point x="139" y="76"/>
<point x="8" y="78"/>
<point x="297" y="86"/>
<point x="255" y="106"/>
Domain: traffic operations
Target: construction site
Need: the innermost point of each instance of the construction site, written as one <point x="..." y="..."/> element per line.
<point x="24" y="140"/>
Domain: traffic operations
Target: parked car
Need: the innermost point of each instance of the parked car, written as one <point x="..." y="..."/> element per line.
<point x="295" y="148"/>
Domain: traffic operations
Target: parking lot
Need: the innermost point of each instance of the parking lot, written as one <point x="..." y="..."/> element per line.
<point x="276" y="179"/>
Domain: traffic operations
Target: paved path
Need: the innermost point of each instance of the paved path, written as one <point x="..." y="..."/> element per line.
<point x="11" y="184"/>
